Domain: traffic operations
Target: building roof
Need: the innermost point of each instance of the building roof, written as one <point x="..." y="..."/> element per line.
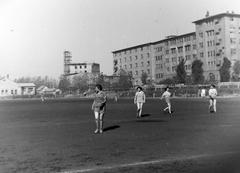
<point x="156" y="42"/>
<point x="133" y="47"/>
<point x="26" y="84"/>
<point x="217" y="16"/>
<point x="174" y="37"/>
<point x="84" y="63"/>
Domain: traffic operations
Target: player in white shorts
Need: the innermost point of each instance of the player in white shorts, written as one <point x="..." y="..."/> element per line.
<point x="212" y="98"/>
<point x="166" y="95"/>
<point x="139" y="99"/>
<point x="99" y="108"/>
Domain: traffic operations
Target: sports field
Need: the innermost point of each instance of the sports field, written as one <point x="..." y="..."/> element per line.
<point x="57" y="136"/>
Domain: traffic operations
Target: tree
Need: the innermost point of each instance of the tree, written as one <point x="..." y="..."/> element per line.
<point x="39" y="81"/>
<point x="125" y="80"/>
<point x="100" y="79"/>
<point x="168" y="81"/>
<point x="225" y="70"/>
<point x="144" y="78"/>
<point x="181" y="72"/>
<point x="236" y="70"/>
<point x="64" y="84"/>
<point x="197" y="72"/>
<point x="81" y="82"/>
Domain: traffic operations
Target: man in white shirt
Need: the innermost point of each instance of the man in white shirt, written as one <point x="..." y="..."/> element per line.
<point x="139" y="99"/>
<point x="212" y="96"/>
<point x="166" y="95"/>
<point x="203" y="92"/>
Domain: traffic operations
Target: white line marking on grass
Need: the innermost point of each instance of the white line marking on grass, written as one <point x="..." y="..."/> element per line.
<point x="151" y="162"/>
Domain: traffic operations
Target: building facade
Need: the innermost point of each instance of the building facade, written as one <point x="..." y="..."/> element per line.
<point x="10" y="88"/>
<point x="76" y="68"/>
<point x="134" y="60"/>
<point x="216" y="37"/>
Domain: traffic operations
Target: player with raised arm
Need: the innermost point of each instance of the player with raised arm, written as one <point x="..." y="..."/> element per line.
<point x="166" y="95"/>
<point x="99" y="108"/>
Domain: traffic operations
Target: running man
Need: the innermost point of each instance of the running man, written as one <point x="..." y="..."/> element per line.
<point x="166" y="95"/>
<point x="212" y="98"/>
<point x="99" y="108"/>
<point x="139" y="99"/>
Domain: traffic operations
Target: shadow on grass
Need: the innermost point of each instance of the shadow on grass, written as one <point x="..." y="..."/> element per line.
<point x="145" y="115"/>
<point x="111" y="128"/>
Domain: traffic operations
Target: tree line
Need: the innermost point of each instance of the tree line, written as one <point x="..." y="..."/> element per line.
<point x="197" y="76"/>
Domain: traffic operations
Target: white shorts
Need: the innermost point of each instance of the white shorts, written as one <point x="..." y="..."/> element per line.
<point x="139" y="105"/>
<point x="98" y="115"/>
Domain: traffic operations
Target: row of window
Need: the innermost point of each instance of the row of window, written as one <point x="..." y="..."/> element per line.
<point x="211" y="63"/>
<point x="175" y="59"/>
<point x="178" y="49"/>
<point x="159" y="75"/>
<point x="131" y="51"/>
<point x="76" y="67"/>
<point x="136" y="57"/>
<point x="211" y="53"/>
<point x="210" y="43"/>
<point x="210" y="33"/>
<point x="137" y="72"/>
<point x="6" y="91"/>
<point x="136" y="65"/>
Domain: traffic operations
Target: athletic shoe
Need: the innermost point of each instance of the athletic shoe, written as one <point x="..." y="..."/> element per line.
<point x="96" y="131"/>
<point x="101" y="131"/>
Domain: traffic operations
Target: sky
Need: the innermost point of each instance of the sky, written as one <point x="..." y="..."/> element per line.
<point x="35" y="33"/>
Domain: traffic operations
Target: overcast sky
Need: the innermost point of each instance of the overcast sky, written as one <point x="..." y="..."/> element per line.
<point x="34" y="33"/>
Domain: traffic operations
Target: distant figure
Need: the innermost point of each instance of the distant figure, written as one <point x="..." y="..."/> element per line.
<point x="203" y="92"/>
<point x="166" y="95"/>
<point x="42" y="97"/>
<point x="116" y="98"/>
<point x="139" y="99"/>
<point x="212" y="98"/>
<point x="99" y="108"/>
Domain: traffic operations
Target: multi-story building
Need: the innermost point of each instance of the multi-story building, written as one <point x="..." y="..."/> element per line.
<point x="216" y="37"/>
<point x="134" y="60"/>
<point x="169" y="52"/>
<point x="76" y="68"/>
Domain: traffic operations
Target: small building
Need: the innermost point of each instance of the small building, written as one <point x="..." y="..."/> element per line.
<point x="11" y="88"/>
<point x="27" y="88"/>
<point x="76" y="68"/>
<point x="49" y="92"/>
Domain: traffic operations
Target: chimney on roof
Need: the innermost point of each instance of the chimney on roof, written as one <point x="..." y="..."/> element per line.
<point x="232" y="12"/>
<point x="207" y="14"/>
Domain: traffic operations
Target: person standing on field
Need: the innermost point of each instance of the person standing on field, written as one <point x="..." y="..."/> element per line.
<point x="212" y="98"/>
<point x="139" y="99"/>
<point x="203" y="92"/>
<point x="166" y="95"/>
<point x="99" y="108"/>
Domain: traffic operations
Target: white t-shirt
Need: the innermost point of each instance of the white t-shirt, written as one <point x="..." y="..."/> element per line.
<point x="212" y="93"/>
<point x="167" y="96"/>
<point x="203" y="93"/>
<point x="139" y="97"/>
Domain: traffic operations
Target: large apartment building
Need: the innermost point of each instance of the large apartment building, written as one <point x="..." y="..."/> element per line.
<point x="216" y="37"/>
<point x="135" y="60"/>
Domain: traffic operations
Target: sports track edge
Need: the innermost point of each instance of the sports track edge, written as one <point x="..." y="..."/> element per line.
<point x="151" y="162"/>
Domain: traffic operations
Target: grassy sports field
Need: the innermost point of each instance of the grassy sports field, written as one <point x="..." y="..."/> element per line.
<point x="57" y="136"/>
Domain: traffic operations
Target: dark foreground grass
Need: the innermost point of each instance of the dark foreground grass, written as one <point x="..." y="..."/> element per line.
<point x="57" y="136"/>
